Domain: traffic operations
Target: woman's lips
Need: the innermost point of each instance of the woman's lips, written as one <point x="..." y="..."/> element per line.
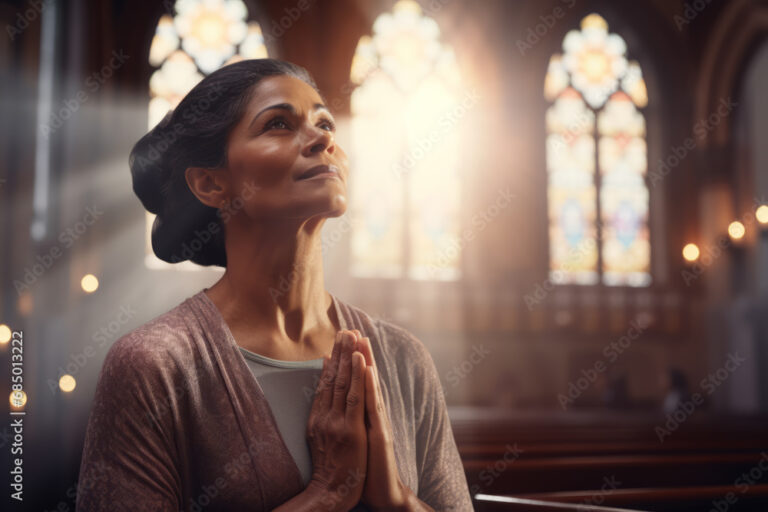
<point x="320" y="172"/>
<point x="322" y="175"/>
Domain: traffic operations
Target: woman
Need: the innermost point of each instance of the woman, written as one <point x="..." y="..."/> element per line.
<point x="206" y="406"/>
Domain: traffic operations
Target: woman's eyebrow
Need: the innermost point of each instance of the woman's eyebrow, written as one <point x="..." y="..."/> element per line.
<point x="288" y="107"/>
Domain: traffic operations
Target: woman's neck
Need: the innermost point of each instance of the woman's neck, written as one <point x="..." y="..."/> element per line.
<point x="272" y="294"/>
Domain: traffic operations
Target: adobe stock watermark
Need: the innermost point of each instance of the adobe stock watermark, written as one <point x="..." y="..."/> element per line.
<point x="171" y="133"/>
<point x="99" y="339"/>
<point x="353" y="480"/>
<point x="285" y="283"/>
<point x="491" y="472"/>
<point x="444" y="125"/>
<point x="610" y="485"/>
<point x="96" y="476"/>
<point x="742" y="484"/>
<point x="479" y="221"/>
<point x="27" y="16"/>
<point x="66" y="239"/>
<point x="459" y="372"/>
<point x="575" y="257"/>
<point x="611" y="353"/>
<point x="700" y="130"/>
<point x="708" y="385"/>
<point x="93" y="83"/>
<point x="202" y="237"/>
<point x="536" y="33"/>
<point x="709" y="254"/>
<point x="235" y="466"/>
<point x="713" y="250"/>
<point x="691" y="10"/>
<point x="286" y="20"/>
<point x="336" y="235"/>
<point x="432" y="7"/>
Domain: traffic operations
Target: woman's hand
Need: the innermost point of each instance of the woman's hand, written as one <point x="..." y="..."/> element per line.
<point x="336" y="428"/>
<point x="383" y="488"/>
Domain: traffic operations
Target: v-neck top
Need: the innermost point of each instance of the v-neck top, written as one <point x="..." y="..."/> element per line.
<point x="179" y="421"/>
<point x="289" y="387"/>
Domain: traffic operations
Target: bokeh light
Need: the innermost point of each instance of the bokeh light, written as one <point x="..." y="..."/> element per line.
<point x="691" y="252"/>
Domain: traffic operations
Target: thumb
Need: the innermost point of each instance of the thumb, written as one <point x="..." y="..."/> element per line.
<point x="371" y="396"/>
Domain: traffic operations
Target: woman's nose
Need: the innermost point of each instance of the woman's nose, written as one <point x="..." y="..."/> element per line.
<point x="320" y="140"/>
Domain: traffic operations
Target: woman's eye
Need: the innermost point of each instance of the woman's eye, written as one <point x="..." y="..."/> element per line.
<point x="330" y="124"/>
<point x="277" y="122"/>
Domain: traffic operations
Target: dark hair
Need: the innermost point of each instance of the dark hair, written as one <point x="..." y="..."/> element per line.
<point x="195" y="134"/>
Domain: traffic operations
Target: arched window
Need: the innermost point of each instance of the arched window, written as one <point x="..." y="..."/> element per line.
<point x="405" y="150"/>
<point x="201" y="37"/>
<point x="597" y="161"/>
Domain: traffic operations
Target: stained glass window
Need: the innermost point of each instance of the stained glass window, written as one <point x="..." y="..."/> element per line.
<point x="201" y="37"/>
<point x="596" y="161"/>
<point x="404" y="203"/>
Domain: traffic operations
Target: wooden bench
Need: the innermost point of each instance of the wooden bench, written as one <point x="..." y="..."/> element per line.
<point x="695" y="497"/>
<point x="616" y="459"/>
<point x="494" y="503"/>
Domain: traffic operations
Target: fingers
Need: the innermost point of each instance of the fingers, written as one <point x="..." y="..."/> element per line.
<point x="342" y="385"/>
<point x="355" y="408"/>
<point x="364" y="345"/>
<point x="372" y="404"/>
<point x="343" y="376"/>
<point x="328" y="375"/>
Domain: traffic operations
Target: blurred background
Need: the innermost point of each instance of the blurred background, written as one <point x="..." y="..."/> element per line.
<point x="566" y="201"/>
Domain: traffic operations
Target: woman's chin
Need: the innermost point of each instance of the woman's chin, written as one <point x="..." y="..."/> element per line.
<point x="336" y="209"/>
<point x="331" y="206"/>
<point x="339" y="202"/>
<point x="334" y="204"/>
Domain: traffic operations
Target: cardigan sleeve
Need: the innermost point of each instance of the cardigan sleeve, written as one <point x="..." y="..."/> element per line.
<point x="442" y="480"/>
<point x="129" y="461"/>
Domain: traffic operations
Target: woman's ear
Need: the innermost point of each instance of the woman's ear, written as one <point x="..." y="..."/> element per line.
<point x="208" y="185"/>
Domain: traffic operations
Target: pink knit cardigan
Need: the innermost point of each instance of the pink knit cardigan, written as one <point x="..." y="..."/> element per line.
<point x="179" y="423"/>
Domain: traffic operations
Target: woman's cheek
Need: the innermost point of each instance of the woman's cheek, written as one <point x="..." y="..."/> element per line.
<point x="266" y="166"/>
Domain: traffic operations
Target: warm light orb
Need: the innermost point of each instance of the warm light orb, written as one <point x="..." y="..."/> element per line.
<point x="761" y="214"/>
<point x="67" y="383"/>
<point x="18" y="399"/>
<point x="691" y="252"/>
<point x="5" y="334"/>
<point x="89" y="283"/>
<point x="736" y="230"/>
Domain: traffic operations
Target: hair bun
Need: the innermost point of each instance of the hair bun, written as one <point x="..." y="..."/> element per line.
<point x="150" y="167"/>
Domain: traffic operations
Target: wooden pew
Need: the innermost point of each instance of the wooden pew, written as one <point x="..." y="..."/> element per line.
<point x="694" y="498"/>
<point x="568" y="457"/>
<point x="494" y="503"/>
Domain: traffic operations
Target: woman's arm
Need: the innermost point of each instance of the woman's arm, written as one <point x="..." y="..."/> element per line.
<point x="442" y="480"/>
<point x="128" y="460"/>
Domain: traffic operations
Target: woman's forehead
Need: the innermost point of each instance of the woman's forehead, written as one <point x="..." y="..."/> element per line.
<point x="284" y="89"/>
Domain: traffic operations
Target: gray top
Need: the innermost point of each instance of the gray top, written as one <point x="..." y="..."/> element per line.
<point x="289" y="387"/>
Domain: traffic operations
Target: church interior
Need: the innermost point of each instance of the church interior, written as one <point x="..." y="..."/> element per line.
<point x="562" y="200"/>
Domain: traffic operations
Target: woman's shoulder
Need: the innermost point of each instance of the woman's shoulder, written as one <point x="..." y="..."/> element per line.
<point x="164" y="338"/>
<point x="395" y="340"/>
<point x="401" y="338"/>
<point x="404" y="354"/>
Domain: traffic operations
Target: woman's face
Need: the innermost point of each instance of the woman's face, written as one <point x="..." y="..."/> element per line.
<point x="285" y="132"/>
